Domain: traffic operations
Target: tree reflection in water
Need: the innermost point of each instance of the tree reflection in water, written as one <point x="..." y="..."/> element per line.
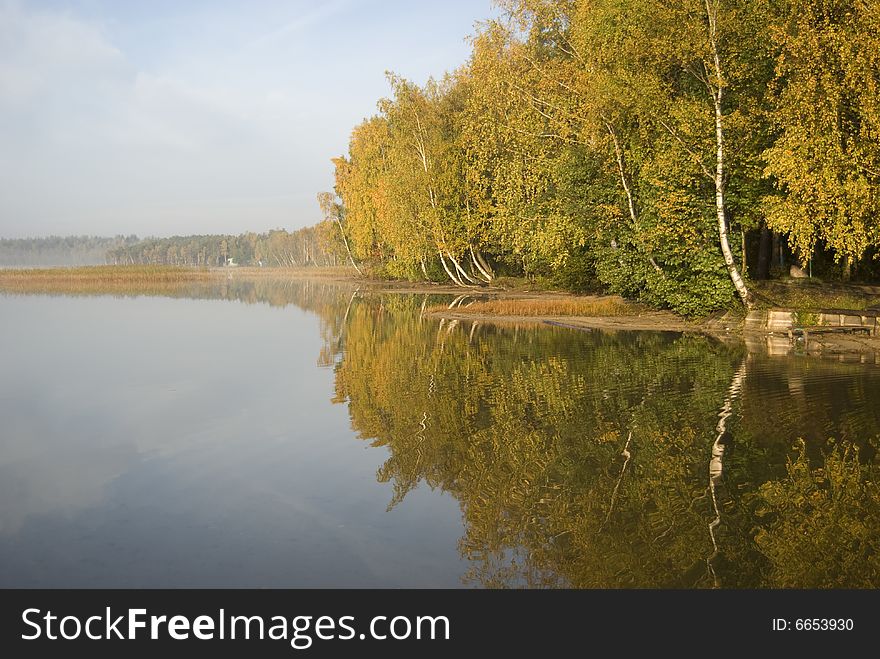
<point x="580" y="459"/>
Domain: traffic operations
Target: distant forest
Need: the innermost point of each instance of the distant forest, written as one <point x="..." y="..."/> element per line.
<point x="311" y="246"/>
<point x="318" y="245"/>
<point x="59" y="250"/>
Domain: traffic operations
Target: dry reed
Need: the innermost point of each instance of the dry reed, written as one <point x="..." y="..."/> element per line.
<point x="565" y="306"/>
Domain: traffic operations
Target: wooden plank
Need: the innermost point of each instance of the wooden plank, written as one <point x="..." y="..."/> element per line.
<point x="822" y="329"/>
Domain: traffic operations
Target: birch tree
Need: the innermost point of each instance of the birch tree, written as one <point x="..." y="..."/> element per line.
<point x="826" y="162"/>
<point x="709" y="65"/>
<point x="333" y="213"/>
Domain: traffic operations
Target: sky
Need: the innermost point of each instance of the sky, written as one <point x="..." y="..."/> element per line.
<point x="175" y="117"/>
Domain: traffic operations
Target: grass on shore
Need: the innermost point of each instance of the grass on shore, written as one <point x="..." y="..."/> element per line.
<point x="813" y="296"/>
<point x="564" y="306"/>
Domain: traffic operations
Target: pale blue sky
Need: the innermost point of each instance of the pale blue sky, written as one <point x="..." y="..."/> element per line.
<point x="174" y="117"/>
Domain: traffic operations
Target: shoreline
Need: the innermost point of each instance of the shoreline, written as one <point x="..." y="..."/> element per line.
<point x="658" y="321"/>
<point x="628" y="316"/>
<point x="844" y="347"/>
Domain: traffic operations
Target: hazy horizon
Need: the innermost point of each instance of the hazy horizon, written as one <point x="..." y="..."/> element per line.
<point x="171" y="118"/>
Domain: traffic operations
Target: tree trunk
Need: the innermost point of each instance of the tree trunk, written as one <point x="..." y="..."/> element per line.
<point x="485" y="272"/>
<point x="735" y="276"/>
<point x="626" y="188"/>
<point x="347" y="249"/>
<point x="449" y="272"/>
<point x="776" y="250"/>
<point x="484" y="265"/>
<point x="765" y="247"/>
<point x="461" y="271"/>
<point x="732" y="270"/>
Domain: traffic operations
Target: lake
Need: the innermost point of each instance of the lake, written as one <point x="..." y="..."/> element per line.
<point x="309" y="434"/>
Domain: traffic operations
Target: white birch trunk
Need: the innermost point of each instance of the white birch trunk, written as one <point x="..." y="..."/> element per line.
<point x="461" y="270"/>
<point x="735" y="275"/>
<point x="482" y="267"/>
<point x="347" y="248"/>
<point x="449" y="272"/>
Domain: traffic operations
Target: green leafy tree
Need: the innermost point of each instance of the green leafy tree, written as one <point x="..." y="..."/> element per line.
<point x="826" y="160"/>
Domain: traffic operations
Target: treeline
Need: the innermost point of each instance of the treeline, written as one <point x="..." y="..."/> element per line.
<point x="667" y="151"/>
<point x="318" y="245"/>
<point x="59" y="250"/>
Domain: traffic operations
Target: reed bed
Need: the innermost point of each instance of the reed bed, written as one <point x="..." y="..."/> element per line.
<point x="134" y="280"/>
<point x="567" y="306"/>
<point x="93" y="280"/>
<point x="107" y="273"/>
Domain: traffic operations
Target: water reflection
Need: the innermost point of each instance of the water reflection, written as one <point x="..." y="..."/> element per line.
<point x="581" y="459"/>
<point x="157" y="442"/>
<point x="577" y="459"/>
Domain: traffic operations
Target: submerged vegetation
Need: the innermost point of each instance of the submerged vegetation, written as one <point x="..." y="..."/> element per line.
<point x="670" y="152"/>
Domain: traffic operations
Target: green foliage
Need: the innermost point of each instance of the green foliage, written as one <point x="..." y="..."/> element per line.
<point x="597" y="143"/>
<point x="577" y="273"/>
<point x="826" y="160"/>
<point x="806" y="318"/>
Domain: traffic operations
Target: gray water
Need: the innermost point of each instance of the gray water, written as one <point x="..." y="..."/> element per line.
<point x="311" y="436"/>
<point x="156" y="442"/>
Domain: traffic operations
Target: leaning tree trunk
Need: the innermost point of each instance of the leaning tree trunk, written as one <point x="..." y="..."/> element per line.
<point x="735" y="275"/>
<point x="347" y="248"/>
<point x="461" y="271"/>
<point x="450" y="273"/>
<point x="482" y="266"/>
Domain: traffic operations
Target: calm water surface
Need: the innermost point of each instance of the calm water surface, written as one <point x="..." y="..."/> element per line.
<point x="306" y="434"/>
